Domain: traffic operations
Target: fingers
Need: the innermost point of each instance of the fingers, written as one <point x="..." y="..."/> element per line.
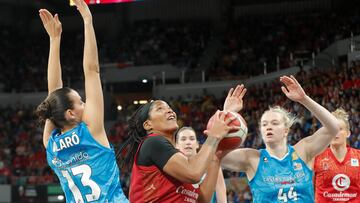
<point x="286" y="80"/>
<point x="230" y="92"/>
<point x="42" y="17"/>
<point x="292" y="77"/>
<point x="285" y="91"/>
<point x="45" y="16"/>
<point x="221" y="115"/>
<point x="56" y="17"/>
<point x="234" y="128"/>
<point x="239" y="91"/>
<point x="229" y="120"/>
<point x="243" y="93"/>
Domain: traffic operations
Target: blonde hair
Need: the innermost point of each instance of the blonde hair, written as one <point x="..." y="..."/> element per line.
<point x="288" y="118"/>
<point x="342" y="115"/>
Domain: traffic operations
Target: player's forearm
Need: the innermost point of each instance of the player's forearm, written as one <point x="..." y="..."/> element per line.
<point x="207" y="188"/>
<point x="201" y="161"/>
<point x="220" y="188"/>
<point x="91" y="61"/>
<point x="54" y="66"/>
<point x="323" y="115"/>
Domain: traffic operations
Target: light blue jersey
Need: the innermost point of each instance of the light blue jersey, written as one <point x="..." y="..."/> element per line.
<point x="87" y="171"/>
<point x="286" y="180"/>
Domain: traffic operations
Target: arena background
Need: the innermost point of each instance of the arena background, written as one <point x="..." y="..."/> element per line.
<point x="187" y="52"/>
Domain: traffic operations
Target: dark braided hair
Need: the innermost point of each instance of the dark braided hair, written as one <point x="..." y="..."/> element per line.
<point x="136" y="134"/>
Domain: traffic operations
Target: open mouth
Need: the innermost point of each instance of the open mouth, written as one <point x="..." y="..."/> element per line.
<point x="172" y="117"/>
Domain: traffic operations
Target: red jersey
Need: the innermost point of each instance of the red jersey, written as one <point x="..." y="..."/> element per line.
<point x="150" y="184"/>
<point x="337" y="181"/>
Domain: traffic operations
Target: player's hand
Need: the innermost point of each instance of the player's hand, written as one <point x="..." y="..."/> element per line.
<point x="84" y="10"/>
<point x="234" y="100"/>
<point x="220" y="126"/>
<point x="51" y="23"/>
<point x="292" y="89"/>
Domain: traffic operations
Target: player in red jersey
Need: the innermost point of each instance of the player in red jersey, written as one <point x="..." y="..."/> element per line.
<point x="160" y="172"/>
<point x="337" y="169"/>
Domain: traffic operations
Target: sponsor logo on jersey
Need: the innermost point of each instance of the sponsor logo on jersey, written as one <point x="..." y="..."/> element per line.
<point x="354" y="162"/>
<point x="284" y="179"/>
<point x="265" y="160"/>
<point x="297" y="166"/>
<point x="294" y="156"/>
<point x="190" y="195"/>
<point x="73" y="159"/>
<point x="341" y="182"/>
<point x="325" y="166"/>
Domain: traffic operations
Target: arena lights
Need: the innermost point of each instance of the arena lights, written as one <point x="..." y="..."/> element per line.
<point x="144" y="80"/>
<point x="140" y="102"/>
<point x="103" y="1"/>
<point x="119" y="107"/>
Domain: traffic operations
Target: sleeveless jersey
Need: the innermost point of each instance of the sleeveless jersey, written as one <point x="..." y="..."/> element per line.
<point x="87" y="171"/>
<point x="337" y="181"/>
<point x="150" y="184"/>
<point x="285" y="180"/>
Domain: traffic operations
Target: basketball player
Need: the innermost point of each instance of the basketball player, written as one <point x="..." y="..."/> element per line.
<point x="74" y="137"/>
<point x="282" y="173"/>
<point x="337" y="169"/>
<point x="187" y="143"/>
<point x="160" y="172"/>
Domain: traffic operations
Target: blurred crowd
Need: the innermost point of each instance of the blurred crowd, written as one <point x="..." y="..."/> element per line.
<point x="248" y="45"/>
<point x="278" y="42"/>
<point x="144" y="43"/>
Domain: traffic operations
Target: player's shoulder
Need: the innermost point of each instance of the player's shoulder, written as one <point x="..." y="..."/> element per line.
<point x="155" y="141"/>
<point x="356" y="151"/>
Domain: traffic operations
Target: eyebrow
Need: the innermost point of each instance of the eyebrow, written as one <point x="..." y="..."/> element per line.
<point x="269" y="121"/>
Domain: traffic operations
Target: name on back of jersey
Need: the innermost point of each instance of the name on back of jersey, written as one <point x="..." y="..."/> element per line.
<point x="66" y="142"/>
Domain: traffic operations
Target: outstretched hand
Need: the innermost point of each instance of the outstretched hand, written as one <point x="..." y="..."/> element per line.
<point x="51" y="23"/>
<point x="234" y="100"/>
<point x="292" y="89"/>
<point x="84" y="10"/>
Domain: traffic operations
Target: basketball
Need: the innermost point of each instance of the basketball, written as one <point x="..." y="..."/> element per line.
<point x="235" y="138"/>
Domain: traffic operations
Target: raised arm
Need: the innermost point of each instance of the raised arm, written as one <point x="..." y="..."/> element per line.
<point x="314" y="144"/>
<point x="94" y="109"/>
<point x="53" y="27"/>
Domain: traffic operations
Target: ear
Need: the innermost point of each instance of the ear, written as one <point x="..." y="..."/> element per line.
<point x="348" y="135"/>
<point x="147" y="125"/>
<point x="69" y="115"/>
<point x="287" y="130"/>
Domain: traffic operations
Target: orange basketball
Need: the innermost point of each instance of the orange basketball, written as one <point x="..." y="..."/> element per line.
<point x="235" y="138"/>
